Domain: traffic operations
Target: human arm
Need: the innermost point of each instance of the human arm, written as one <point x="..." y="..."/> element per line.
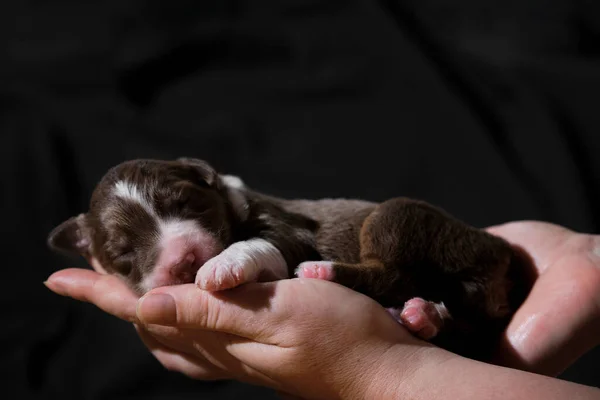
<point x="565" y="300"/>
<point x="310" y="338"/>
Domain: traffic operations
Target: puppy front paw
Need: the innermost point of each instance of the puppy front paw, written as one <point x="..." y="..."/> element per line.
<point x="242" y="262"/>
<point x="226" y="272"/>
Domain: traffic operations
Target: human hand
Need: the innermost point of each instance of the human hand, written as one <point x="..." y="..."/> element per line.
<point x="308" y="338"/>
<point x="541" y="338"/>
<point x="560" y="320"/>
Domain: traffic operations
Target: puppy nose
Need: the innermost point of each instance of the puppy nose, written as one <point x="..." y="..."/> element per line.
<point x="183" y="268"/>
<point x="189" y="258"/>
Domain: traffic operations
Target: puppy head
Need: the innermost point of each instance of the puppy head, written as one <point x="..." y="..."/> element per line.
<point x="153" y="223"/>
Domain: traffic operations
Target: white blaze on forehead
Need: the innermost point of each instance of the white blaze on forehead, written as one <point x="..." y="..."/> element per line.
<point x="129" y="191"/>
<point x="187" y="230"/>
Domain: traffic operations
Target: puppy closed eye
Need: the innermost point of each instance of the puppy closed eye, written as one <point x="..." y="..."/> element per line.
<point x="175" y="197"/>
<point x="120" y="252"/>
<point x="176" y="205"/>
<point x="183" y="199"/>
<point x="190" y="199"/>
<point x="125" y="255"/>
<point x="124" y="262"/>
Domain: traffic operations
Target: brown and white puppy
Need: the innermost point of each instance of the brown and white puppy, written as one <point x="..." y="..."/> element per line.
<point x="156" y="223"/>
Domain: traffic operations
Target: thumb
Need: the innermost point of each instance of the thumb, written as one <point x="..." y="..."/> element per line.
<point x="250" y="311"/>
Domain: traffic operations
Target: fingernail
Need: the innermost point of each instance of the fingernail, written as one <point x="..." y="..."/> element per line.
<point x="158" y="309"/>
<point x="54" y="286"/>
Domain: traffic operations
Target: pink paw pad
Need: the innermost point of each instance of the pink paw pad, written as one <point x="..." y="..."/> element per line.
<point x="316" y="270"/>
<point x="421" y="318"/>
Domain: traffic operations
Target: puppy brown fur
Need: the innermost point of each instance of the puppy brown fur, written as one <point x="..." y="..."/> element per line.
<point x="158" y="222"/>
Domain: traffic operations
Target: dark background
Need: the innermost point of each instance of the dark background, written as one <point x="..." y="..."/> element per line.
<point x="487" y="108"/>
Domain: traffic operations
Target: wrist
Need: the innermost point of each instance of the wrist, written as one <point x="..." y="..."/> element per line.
<point x="402" y="370"/>
<point x="421" y="371"/>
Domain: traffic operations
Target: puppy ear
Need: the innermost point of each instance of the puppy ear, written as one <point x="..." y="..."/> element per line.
<point x="71" y="237"/>
<point x="204" y="170"/>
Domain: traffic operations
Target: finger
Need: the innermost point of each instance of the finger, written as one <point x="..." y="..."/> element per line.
<point x="211" y="347"/>
<point x="558" y="322"/>
<point x="541" y="241"/>
<point x="176" y="339"/>
<point x="174" y="360"/>
<point x="249" y="311"/>
<point x="215" y="355"/>
<point x="107" y="292"/>
<point x="531" y="229"/>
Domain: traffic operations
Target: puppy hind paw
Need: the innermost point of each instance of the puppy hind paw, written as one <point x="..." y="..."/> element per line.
<point x="423" y="318"/>
<point x="316" y="270"/>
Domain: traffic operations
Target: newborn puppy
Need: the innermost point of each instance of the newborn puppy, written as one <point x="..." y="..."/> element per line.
<point x="156" y="223"/>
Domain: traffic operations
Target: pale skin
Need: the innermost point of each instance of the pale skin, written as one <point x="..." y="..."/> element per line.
<point x="318" y="340"/>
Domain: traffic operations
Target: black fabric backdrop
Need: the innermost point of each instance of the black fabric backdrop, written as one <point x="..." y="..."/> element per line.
<point x="489" y="109"/>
